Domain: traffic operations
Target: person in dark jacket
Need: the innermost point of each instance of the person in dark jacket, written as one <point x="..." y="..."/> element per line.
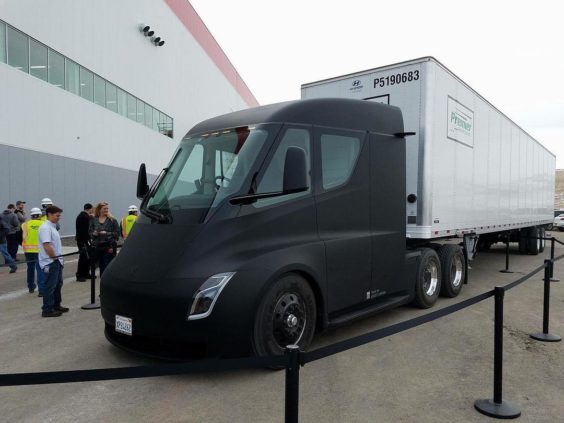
<point x="104" y="234"/>
<point x="22" y="217"/>
<point x="83" y="242"/>
<point x="11" y="219"/>
<point x="4" y="229"/>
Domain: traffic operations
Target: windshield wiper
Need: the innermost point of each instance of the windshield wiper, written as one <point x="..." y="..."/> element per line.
<point x="160" y="217"/>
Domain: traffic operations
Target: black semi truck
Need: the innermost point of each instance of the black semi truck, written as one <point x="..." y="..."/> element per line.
<point x="270" y="224"/>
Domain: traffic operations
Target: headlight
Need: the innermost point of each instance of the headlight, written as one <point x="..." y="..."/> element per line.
<point x="206" y="296"/>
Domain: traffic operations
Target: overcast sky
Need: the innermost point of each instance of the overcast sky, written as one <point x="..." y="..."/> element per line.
<point x="511" y="52"/>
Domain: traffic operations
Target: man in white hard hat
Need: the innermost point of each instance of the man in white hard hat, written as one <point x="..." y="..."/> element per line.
<point x="128" y="221"/>
<point x="30" y="244"/>
<point x="47" y="202"/>
<point x="44" y="204"/>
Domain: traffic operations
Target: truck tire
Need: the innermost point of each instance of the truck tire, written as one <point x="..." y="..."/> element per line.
<point x="453" y="270"/>
<point x="427" y="279"/>
<point x="533" y="242"/>
<point x="286" y="315"/>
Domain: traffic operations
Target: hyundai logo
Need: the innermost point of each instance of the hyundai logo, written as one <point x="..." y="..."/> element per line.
<point x="356" y="83"/>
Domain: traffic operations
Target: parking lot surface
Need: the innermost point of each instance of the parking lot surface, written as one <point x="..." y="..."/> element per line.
<point x="432" y="373"/>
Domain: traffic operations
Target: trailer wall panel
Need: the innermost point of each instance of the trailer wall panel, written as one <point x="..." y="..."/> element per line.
<point x="471" y="167"/>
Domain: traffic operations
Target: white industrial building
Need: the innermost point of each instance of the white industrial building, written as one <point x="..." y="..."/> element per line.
<point x="86" y="96"/>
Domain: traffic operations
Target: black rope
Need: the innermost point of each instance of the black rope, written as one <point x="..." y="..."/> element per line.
<point x="392" y="330"/>
<point x="56" y="257"/>
<point x="117" y="373"/>
<point x="69" y="376"/>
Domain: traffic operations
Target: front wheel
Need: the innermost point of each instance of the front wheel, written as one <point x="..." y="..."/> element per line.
<point x="428" y="279"/>
<point x="286" y="316"/>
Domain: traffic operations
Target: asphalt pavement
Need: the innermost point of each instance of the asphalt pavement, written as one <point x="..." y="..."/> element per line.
<point x="432" y="373"/>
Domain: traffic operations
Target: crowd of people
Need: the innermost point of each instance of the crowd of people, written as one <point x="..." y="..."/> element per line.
<point x="97" y="234"/>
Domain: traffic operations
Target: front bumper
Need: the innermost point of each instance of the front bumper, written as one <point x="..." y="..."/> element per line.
<point x="159" y="319"/>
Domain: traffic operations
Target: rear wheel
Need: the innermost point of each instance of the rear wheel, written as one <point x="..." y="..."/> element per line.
<point x="542" y="235"/>
<point x="533" y="242"/>
<point x="428" y="278"/>
<point x="286" y="316"/>
<point x="453" y="270"/>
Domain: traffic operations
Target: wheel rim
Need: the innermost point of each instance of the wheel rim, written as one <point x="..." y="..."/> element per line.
<point x="431" y="278"/>
<point x="290" y="320"/>
<point x="456" y="271"/>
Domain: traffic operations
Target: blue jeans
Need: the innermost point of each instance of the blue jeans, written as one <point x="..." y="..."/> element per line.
<point x="53" y="284"/>
<point x="7" y="257"/>
<point x="32" y="266"/>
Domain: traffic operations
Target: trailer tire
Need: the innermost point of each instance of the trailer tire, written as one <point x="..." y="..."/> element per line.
<point x="286" y="315"/>
<point x="428" y="278"/>
<point x="542" y="234"/>
<point x="523" y="244"/>
<point x="533" y="241"/>
<point x="453" y="270"/>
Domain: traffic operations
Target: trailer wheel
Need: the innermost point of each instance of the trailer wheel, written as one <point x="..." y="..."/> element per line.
<point x="428" y="278"/>
<point x="285" y="316"/>
<point x="453" y="270"/>
<point x="542" y="235"/>
<point x="533" y="242"/>
<point x="523" y="242"/>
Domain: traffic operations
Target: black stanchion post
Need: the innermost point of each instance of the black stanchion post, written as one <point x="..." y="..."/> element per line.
<point x="292" y="384"/>
<point x="552" y="278"/>
<point x="506" y="270"/>
<point x="93" y="304"/>
<point x="545" y="336"/>
<point x="498" y="408"/>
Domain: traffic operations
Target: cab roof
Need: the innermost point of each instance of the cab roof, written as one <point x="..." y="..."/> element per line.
<point x="331" y="112"/>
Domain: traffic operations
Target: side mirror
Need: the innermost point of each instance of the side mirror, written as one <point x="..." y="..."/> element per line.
<point x="142" y="186"/>
<point x="295" y="170"/>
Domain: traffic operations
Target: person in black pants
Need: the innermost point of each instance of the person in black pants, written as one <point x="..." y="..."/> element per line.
<point x="104" y="234"/>
<point x="11" y="219"/>
<point x="83" y="242"/>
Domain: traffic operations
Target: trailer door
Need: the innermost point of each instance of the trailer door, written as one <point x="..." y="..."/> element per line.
<point x="343" y="217"/>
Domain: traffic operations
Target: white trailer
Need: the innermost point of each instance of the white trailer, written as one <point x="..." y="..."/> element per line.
<point x="470" y="169"/>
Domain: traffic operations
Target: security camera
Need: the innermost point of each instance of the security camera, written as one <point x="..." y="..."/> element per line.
<point x="156" y="40"/>
<point x="161" y="43"/>
<point x="146" y="30"/>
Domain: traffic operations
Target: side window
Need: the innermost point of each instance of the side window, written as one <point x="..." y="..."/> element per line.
<point x="338" y="158"/>
<point x="273" y="177"/>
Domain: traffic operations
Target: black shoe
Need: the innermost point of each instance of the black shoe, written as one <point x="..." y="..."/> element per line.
<point x="52" y="313"/>
<point x="79" y="279"/>
<point x="62" y="309"/>
<point x="40" y="295"/>
<point x="13" y="269"/>
<point x="31" y="291"/>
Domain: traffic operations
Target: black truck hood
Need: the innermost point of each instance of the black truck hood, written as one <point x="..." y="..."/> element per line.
<point x="150" y="252"/>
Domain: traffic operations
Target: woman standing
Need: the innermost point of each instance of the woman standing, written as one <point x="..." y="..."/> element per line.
<point x="104" y="233"/>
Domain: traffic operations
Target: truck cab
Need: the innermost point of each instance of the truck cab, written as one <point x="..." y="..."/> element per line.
<point x="269" y="224"/>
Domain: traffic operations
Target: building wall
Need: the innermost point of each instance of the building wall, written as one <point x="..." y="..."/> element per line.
<point x="48" y="134"/>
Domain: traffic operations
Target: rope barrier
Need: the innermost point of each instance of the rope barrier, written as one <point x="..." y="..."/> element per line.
<point x="69" y="376"/>
<point x="21" y="263"/>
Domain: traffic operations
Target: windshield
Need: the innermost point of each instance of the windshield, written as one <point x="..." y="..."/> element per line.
<point x="205" y="170"/>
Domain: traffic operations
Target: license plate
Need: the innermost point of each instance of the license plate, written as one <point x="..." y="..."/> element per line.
<point x="124" y="325"/>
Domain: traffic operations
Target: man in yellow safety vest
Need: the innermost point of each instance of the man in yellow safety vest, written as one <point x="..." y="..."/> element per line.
<point x="128" y="221"/>
<point x="30" y="244"/>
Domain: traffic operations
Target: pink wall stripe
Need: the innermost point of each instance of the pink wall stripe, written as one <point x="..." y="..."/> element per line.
<point x="193" y="23"/>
